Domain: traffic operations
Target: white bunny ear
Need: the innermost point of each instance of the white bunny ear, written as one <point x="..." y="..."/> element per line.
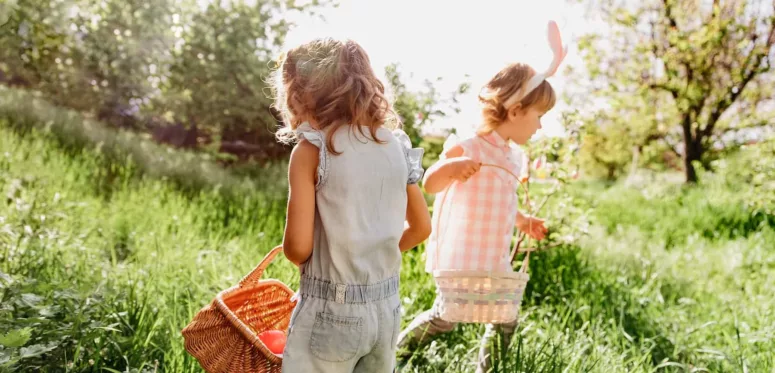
<point x="559" y="52"/>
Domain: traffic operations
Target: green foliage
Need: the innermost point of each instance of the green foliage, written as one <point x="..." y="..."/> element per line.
<point x="16" y="338"/>
<point x="149" y="65"/>
<point x="692" y="77"/>
<point x="712" y="213"/>
<point x="221" y="61"/>
<point x="103" y="261"/>
<point x="93" y="250"/>
<point x="550" y="195"/>
<point x="419" y="108"/>
<point x="752" y="166"/>
<point x="627" y="134"/>
<point x="88" y="55"/>
<point x="606" y="150"/>
<point x="433" y="148"/>
<point x="26" y="112"/>
<point x="144" y="65"/>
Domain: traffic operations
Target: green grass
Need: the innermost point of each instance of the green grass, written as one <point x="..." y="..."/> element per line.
<point x="104" y="258"/>
<point x="73" y="132"/>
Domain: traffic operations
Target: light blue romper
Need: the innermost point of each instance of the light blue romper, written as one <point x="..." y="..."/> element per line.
<point x="349" y="313"/>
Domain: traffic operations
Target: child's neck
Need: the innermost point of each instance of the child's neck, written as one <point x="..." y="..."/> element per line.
<point x="500" y="131"/>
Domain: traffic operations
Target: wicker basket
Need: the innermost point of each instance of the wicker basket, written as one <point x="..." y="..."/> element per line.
<point x="481" y="296"/>
<point x="223" y="336"/>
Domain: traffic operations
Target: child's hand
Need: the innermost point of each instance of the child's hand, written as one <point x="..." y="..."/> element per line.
<point x="532" y="226"/>
<point x="462" y="168"/>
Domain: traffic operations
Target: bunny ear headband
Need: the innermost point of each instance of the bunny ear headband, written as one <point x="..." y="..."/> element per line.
<point x="555" y="43"/>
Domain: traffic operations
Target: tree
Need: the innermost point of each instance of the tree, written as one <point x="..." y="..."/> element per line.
<point x="86" y="54"/>
<point x="142" y="64"/>
<point x="627" y="133"/>
<point x="605" y="149"/>
<point x="31" y="35"/>
<point x="222" y="59"/>
<point x="121" y="48"/>
<point x="708" y="58"/>
<point x="418" y="108"/>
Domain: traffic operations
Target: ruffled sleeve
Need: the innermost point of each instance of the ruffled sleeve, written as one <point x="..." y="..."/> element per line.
<point x="413" y="157"/>
<point x="306" y="132"/>
<point x="451" y="141"/>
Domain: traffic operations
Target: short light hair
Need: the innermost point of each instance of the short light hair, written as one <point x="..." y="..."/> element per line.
<point x="502" y="86"/>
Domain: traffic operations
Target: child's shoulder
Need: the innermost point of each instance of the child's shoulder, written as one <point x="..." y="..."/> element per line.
<point x="467" y="143"/>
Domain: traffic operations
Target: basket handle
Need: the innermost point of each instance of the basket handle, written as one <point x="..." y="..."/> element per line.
<point x="256" y="273"/>
<point x="525" y="262"/>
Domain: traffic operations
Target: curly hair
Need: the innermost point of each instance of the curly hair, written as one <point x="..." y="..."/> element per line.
<point x="504" y="84"/>
<point x="333" y="83"/>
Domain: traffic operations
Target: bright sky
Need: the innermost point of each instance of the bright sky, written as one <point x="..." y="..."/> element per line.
<point x="449" y="39"/>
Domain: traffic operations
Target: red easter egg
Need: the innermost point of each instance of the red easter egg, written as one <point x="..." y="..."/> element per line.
<point x="274" y="340"/>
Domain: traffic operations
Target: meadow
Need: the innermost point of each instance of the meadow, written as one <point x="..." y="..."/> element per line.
<point x="109" y="245"/>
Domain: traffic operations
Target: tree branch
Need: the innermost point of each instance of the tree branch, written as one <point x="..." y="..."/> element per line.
<point x="753" y="67"/>
<point x="651" y="138"/>
<point x="681" y="60"/>
<point x="715" y="9"/>
<point x="663" y="86"/>
<point x="758" y="123"/>
<point x="672" y="148"/>
<point x="669" y="13"/>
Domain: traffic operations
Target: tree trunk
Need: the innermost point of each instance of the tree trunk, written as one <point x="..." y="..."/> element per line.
<point x="634" y="164"/>
<point x="611" y="172"/>
<point x="692" y="149"/>
<point x="691" y="173"/>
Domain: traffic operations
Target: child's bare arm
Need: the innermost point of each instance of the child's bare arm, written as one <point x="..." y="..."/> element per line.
<point x="300" y="220"/>
<point x="418" y="219"/>
<point x="444" y="172"/>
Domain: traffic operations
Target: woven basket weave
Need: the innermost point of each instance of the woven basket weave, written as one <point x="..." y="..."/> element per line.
<point x="490" y="297"/>
<point x="223" y="336"/>
<point x="480" y="296"/>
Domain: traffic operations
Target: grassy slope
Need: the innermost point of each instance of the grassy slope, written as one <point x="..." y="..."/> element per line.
<point x="105" y="265"/>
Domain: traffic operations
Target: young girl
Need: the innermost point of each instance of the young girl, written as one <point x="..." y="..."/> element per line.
<point x="480" y="212"/>
<point x="354" y="206"/>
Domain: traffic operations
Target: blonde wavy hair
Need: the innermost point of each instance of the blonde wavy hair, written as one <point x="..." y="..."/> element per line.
<point x="333" y="83"/>
<point x="504" y="84"/>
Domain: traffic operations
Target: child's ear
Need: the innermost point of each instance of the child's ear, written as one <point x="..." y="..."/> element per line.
<point x="516" y="111"/>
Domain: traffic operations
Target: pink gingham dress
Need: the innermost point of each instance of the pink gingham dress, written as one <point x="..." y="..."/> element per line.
<point x="478" y="217"/>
